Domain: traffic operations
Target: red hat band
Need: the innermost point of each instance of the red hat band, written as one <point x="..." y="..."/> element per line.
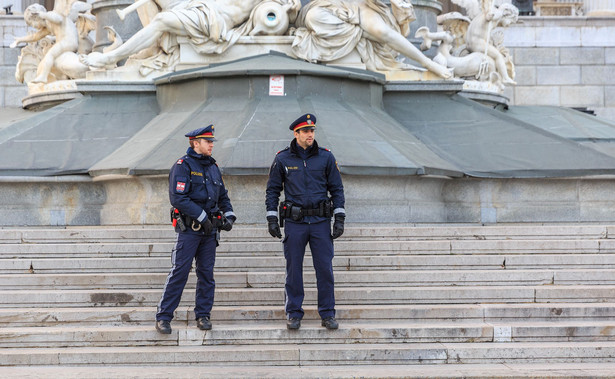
<point x="204" y="135"/>
<point x="308" y="124"/>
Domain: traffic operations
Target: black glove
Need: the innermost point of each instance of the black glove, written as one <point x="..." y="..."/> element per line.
<point x="207" y="226"/>
<point x="274" y="227"/>
<point x="228" y="223"/>
<point x="338" y="225"/>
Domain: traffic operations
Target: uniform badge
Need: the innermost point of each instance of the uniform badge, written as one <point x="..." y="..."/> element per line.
<point x="180" y="187"/>
<point x="180" y="161"/>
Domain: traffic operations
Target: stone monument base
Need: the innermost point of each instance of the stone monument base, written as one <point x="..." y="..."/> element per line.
<point x="142" y="200"/>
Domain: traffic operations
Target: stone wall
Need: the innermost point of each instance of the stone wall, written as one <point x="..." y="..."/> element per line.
<point x="11" y="91"/>
<point x="142" y="200"/>
<point x="565" y="61"/>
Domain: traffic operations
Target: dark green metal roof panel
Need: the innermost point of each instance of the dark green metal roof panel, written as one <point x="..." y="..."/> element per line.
<point x="71" y="137"/>
<point x="485" y="142"/>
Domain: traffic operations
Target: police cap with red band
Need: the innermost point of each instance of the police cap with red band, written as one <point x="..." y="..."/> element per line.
<point x="307" y="121"/>
<point x="205" y="133"/>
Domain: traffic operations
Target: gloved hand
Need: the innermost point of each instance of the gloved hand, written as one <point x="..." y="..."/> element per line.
<point x="207" y="226"/>
<point x="274" y="227"/>
<point x="228" y="223"/>
<point x="338" y="225"/>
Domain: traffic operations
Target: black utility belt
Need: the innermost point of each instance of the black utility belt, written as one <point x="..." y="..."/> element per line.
<point x="296" y="213"/>
<point x="184" y="221"/>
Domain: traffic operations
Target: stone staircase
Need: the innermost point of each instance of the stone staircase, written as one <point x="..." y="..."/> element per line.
<point x="446" y="301"/>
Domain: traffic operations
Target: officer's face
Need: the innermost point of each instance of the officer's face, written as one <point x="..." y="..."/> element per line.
<point x="203" y="146"/>
<point x="305" y="137"/>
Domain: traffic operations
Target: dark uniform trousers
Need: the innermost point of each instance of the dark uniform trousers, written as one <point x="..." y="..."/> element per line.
<point x="189" y="246"/>
<point x="297" y="236"/>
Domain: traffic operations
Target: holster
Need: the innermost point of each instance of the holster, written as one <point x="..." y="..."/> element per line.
<point x="217" y="219"/>
<point x="177" y="219"/>
<point x="326" y="208"/>
<point x="284" y="210"/>
<point x="184" y="221"/>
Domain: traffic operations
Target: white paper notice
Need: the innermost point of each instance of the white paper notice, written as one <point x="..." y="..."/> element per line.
<point x="276" y="85"/>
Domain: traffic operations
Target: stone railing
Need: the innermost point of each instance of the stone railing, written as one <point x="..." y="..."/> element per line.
<point x="558" y="8"/>
<point x="590" y="8"/>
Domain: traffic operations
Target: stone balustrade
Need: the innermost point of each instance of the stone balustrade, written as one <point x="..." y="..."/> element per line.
<point x="558" y="8"/>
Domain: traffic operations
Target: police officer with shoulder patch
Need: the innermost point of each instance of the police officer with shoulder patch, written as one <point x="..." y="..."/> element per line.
<point x="307" y="174"/>
<point x="200" y="209"/>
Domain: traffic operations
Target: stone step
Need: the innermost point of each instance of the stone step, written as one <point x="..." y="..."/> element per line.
<point x="345" y="247"/>
<point x="264" y="279"/>
<point x="253" y="332"/>
<point x="352" y="231"/>
<point x="344" y="295"/>
<point x="316" y="354"/>
<point x="415" y="294"/>
<point x="20" y="317"/>
<point x="311" y="332"/>
<point x="340" y="263"/>
<point x="367" y="371"/>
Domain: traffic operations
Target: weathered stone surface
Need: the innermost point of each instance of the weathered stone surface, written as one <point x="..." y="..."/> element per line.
<point x="597" y="35"/>
<point x="609" y="96"/>
<point x="582" y="56"/>
<point x="536" y="56"/>
<point x="558" y="75"/>
<point x="582" y="95"/>
<point x="525" y="76"/>
<point x="597" y="75"/>
<point x="538" y="95"/>
<point x="609" y="55"/>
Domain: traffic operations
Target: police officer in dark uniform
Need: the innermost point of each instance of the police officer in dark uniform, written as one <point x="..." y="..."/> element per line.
<point x="201" y="208"/>
<point x="307" y="174"/>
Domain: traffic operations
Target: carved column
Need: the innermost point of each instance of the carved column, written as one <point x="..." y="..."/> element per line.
<point x="599" y="7"/>
<point x="105" y="12"/>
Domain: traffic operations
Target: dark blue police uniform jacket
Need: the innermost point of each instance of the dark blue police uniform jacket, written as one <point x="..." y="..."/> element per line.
<point x="196" y="186"/>
<point x="196" y="189"/>
<point x="307" y="177"/>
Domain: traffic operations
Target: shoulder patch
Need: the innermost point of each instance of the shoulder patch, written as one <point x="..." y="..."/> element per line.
<point x="286" y="148"/>
<point x="180" y="161"/>
<point x="325" y="149"/>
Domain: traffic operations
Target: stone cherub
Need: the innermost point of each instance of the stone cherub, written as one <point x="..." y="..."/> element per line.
<point x="331" y="29"/>
<point x="471" y="66"/>
<point x="476" y="34"/>
<point x="54" y="23"/>
<point x="58" y="55"/>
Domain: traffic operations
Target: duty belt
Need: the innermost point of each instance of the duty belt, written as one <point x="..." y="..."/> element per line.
<point x="312" y="212"/>
<point x="296" y="213"/>
<point x="217" y="219"/>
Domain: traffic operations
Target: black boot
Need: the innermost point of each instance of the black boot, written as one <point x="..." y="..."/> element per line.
<point x="203" y="323"/>
<point x="163" y="326"/>
<point x="293" y="323"/>
<point x="329" y="323"/>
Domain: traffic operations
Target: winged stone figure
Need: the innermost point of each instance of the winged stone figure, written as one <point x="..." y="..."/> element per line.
<point x="485" y="16"/>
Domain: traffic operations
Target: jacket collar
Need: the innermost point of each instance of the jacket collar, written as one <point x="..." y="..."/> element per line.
<point x="297" y="150"/>
<point x="202" y="159"/>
